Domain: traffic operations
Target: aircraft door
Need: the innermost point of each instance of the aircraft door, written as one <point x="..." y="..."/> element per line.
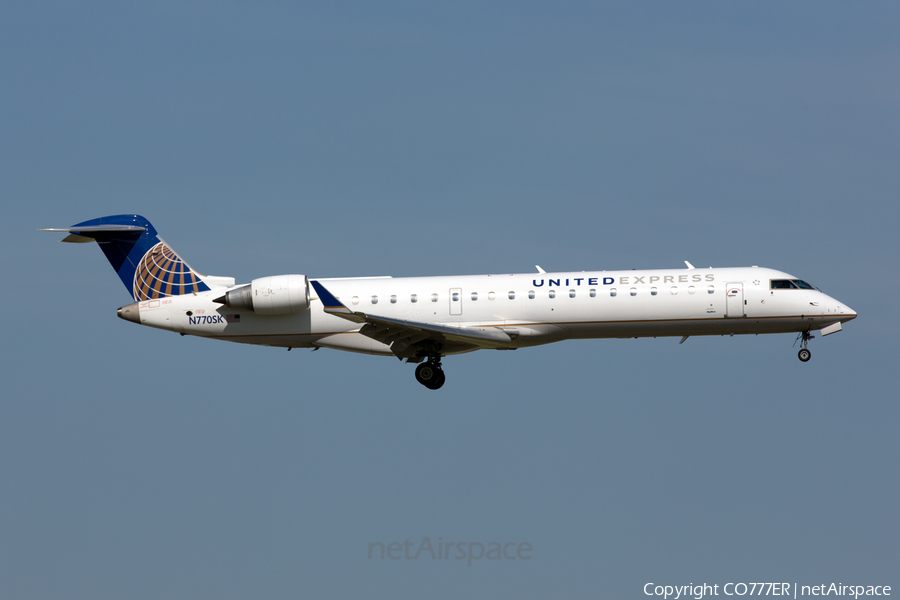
<point x="455" y="301"/>
<point x="734" y="300"/>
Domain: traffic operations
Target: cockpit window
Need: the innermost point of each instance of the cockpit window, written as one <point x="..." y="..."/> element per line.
<point x="790" y="284"/>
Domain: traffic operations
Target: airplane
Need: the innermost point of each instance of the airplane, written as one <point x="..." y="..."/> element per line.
<point x="423" y="319"/>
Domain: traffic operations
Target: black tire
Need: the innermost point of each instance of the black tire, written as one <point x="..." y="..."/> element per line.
<point x="804" y="355"/>
<point x="441" y="378"/>
<point x="426" y="374"/>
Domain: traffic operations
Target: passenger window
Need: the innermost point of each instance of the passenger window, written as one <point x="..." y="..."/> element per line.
<point x="456" y="296"/>
<point x="393" y="299"/>
<point x="374" y="299"/>
<point x="355" y="299"/>
<point x="674" y="290"/>
<point x="413" y="298"/>
<point x="434" y="297"/>
<point x="593" y="293"/>
<point x="553" y="293"/>
<point x="571" y="293"/>
<point x="531" y="295"/>
<point x="491" y="295"/>
<point x="613" y="292"/>
<point x="474" y="296"/>
<point x="711" y="289"/>
<point x="692" y="290"/>
<point x="512" y="295"/>
<point x="653" y="291"/>
<point x="633" y="291"/>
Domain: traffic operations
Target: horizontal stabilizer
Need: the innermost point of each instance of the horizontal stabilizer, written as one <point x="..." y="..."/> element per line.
<point x="90" y="233"/>
<point x="76" y="239"/>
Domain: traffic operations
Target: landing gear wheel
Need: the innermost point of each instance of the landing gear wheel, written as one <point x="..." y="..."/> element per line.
<point x="426" y="373"/>
<point x="430" y="375"/>
<point x="440" y="380"/>
<point x="804" y="338"/>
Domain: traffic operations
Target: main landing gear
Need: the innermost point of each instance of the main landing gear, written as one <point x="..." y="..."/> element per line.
<point x="430" y="374"/>
<point x="804" y="353"/>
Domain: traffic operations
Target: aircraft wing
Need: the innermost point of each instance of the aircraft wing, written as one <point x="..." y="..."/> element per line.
<point x="401" y="335"/>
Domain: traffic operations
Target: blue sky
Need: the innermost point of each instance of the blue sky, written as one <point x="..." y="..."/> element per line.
<point x="424" y="138"/>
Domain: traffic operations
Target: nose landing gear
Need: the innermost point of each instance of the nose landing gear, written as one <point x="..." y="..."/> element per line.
<point x="430" y="374"/>
<point x="804" y="355"/>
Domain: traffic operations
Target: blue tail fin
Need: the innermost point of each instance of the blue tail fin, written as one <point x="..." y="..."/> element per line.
<point x="146" y="265"/>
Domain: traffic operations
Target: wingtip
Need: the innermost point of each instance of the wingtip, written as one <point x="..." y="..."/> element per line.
<point x="328" y="299"/>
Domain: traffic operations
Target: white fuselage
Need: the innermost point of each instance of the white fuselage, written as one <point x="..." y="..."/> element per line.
<point x="532" y="308"/>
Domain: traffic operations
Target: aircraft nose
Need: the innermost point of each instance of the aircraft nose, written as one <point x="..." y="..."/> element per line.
<point x="846" y="313"/>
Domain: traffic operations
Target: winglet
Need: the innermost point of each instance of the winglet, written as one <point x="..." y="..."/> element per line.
<point x="333" y="306"/>
<point x="331" y="303"/>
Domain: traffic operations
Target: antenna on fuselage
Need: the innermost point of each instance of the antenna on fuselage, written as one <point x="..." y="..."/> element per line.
<point x="689" y="265"/>
<point x="540" y="270"/>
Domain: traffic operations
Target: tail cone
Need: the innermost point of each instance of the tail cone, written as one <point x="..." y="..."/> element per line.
<point x="130" y="313"/>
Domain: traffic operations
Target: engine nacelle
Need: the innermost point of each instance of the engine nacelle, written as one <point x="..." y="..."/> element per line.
<point x="276" y="295"/>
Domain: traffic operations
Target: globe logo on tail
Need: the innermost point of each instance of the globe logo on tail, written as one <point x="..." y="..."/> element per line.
<point x="162" y="273"/>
